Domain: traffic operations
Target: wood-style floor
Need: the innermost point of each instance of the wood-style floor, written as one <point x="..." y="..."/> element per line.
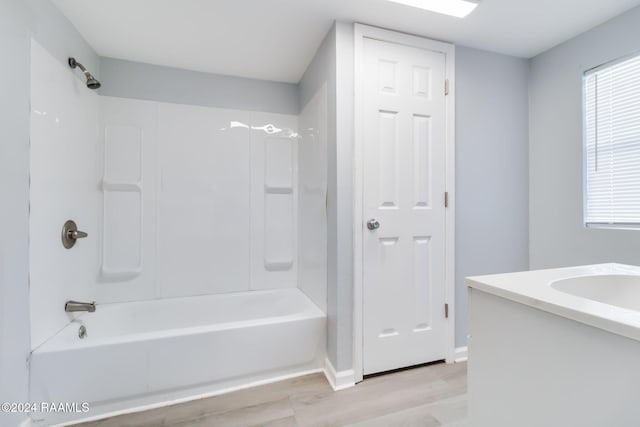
<point x="433" y="395"/>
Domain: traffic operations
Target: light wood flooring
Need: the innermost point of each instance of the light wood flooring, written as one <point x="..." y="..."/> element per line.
<point x="433" y="395"/>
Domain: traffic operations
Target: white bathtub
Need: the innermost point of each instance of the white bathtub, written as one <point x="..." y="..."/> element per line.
<point x="146" y="353"/>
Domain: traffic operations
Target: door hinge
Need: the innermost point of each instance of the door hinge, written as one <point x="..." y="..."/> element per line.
<point x="446" y="311"/>
<point x="446" y="199"/>
<point x="446" y="86"/>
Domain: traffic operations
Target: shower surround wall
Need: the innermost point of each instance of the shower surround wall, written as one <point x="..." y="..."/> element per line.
<point x="197" y="200"/>
<point x="178" y="200"/>
<point x="312" y="199"/>
<point x="65" y="173"/>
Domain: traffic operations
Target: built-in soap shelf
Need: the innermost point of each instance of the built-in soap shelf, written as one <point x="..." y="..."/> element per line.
<point x="122" y="256"/>
<point x="278" y="190"/>
<point x="122" y="186"/>
<point x="107" y="275"/>
<point x="278" y="265"/>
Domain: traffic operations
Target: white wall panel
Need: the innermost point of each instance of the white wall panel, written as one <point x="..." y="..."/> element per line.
<point x="312" y="208"/>
<point x="122" y="256"/>
<point x="66" y="168"/>
<point x="279" y="234"/>
<point x="274" y="153"/>
<point x="223" y="202"/>
<point x="123" y="153"/>
<point x="129" y="131"/>
<point x="279" y="212"/>
<point x="279" y="161"/>
<point x="203" y="209"/>
<point x="122" y="187"/>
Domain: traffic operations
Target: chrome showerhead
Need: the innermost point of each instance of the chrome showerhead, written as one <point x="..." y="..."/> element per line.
<point x="92" y="83"/>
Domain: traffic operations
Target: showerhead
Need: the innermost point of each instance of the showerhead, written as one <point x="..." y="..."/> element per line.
<point x="92" y="83"/>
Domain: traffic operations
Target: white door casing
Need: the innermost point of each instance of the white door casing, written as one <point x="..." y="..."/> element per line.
<point x="404" y="181"/>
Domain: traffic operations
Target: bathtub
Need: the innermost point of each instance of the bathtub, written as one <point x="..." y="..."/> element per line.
<point x="153" y="352"/>
<point x="556" y="347"/>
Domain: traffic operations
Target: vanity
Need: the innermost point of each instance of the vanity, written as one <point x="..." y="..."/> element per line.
<point x="558" y="347"/>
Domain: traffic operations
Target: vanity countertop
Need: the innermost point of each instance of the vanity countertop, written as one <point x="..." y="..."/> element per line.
<point x="533" y="288"/>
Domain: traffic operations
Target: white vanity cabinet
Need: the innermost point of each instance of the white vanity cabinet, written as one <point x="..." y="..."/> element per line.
<point x="539" y="356"/>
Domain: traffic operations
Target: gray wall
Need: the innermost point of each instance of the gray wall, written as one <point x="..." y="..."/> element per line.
<point x="14" y="193"/>
<point x="19" y="21"/>
<point x="343" y="233"/>
<point x="333" y="64"/>
<point x="558" y="236"/>
<point x="492" y="178"/>
<point x="128" y="79"/>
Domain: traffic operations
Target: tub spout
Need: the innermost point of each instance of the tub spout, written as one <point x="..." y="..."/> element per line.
<point x="73" y="306"/>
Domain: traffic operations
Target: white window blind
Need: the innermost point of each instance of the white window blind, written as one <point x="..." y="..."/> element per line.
<point x="612" y="144"/>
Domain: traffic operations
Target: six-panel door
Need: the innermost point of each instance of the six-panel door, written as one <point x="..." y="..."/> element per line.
<point x="404" y="185"/>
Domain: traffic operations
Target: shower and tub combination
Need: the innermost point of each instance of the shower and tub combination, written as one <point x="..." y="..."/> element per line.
<point x="196" y="260"/>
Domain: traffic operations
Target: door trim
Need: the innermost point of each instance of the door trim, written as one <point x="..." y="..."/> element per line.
<point x="360" y="33"/>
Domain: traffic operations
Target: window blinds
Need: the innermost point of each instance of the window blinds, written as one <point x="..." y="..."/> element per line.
<point x="612" y="144"/>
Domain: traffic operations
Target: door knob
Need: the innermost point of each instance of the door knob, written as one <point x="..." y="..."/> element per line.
<point x="70" y="234"/>
<point x="373" y="224"/>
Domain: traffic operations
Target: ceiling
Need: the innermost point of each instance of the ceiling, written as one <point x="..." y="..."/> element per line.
<point x="276" y="39"/>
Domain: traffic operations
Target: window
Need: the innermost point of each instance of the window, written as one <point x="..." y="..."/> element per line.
<point x="612" y="144"/>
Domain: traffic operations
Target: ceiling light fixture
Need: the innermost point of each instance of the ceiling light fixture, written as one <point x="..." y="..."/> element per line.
<point x="457" y="8"/>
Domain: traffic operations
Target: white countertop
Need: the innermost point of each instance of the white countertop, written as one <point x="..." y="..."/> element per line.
<point x="533" y="288"/>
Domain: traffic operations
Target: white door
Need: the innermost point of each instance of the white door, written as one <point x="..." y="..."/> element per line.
<point x="404" y="185"/>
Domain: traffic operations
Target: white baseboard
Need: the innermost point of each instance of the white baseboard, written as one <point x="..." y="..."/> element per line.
<point x="460" y="354"/>
<point x="338" y="380"/>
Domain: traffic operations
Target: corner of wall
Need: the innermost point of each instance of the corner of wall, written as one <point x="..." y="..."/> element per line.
<point x="345" y="128"/>
<point x="492" y="177"/>
<point x="58" y="35"/>
<point x="338" y="380"/>
<point x="557" y="234"/>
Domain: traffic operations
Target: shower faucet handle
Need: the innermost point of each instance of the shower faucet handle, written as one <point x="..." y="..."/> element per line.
<point x="75" y="234"/>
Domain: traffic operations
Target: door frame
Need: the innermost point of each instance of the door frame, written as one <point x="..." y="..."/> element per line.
<point x="360" y="33"/>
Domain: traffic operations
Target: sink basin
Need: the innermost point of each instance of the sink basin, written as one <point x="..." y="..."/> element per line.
<point x="621" y="290"/>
